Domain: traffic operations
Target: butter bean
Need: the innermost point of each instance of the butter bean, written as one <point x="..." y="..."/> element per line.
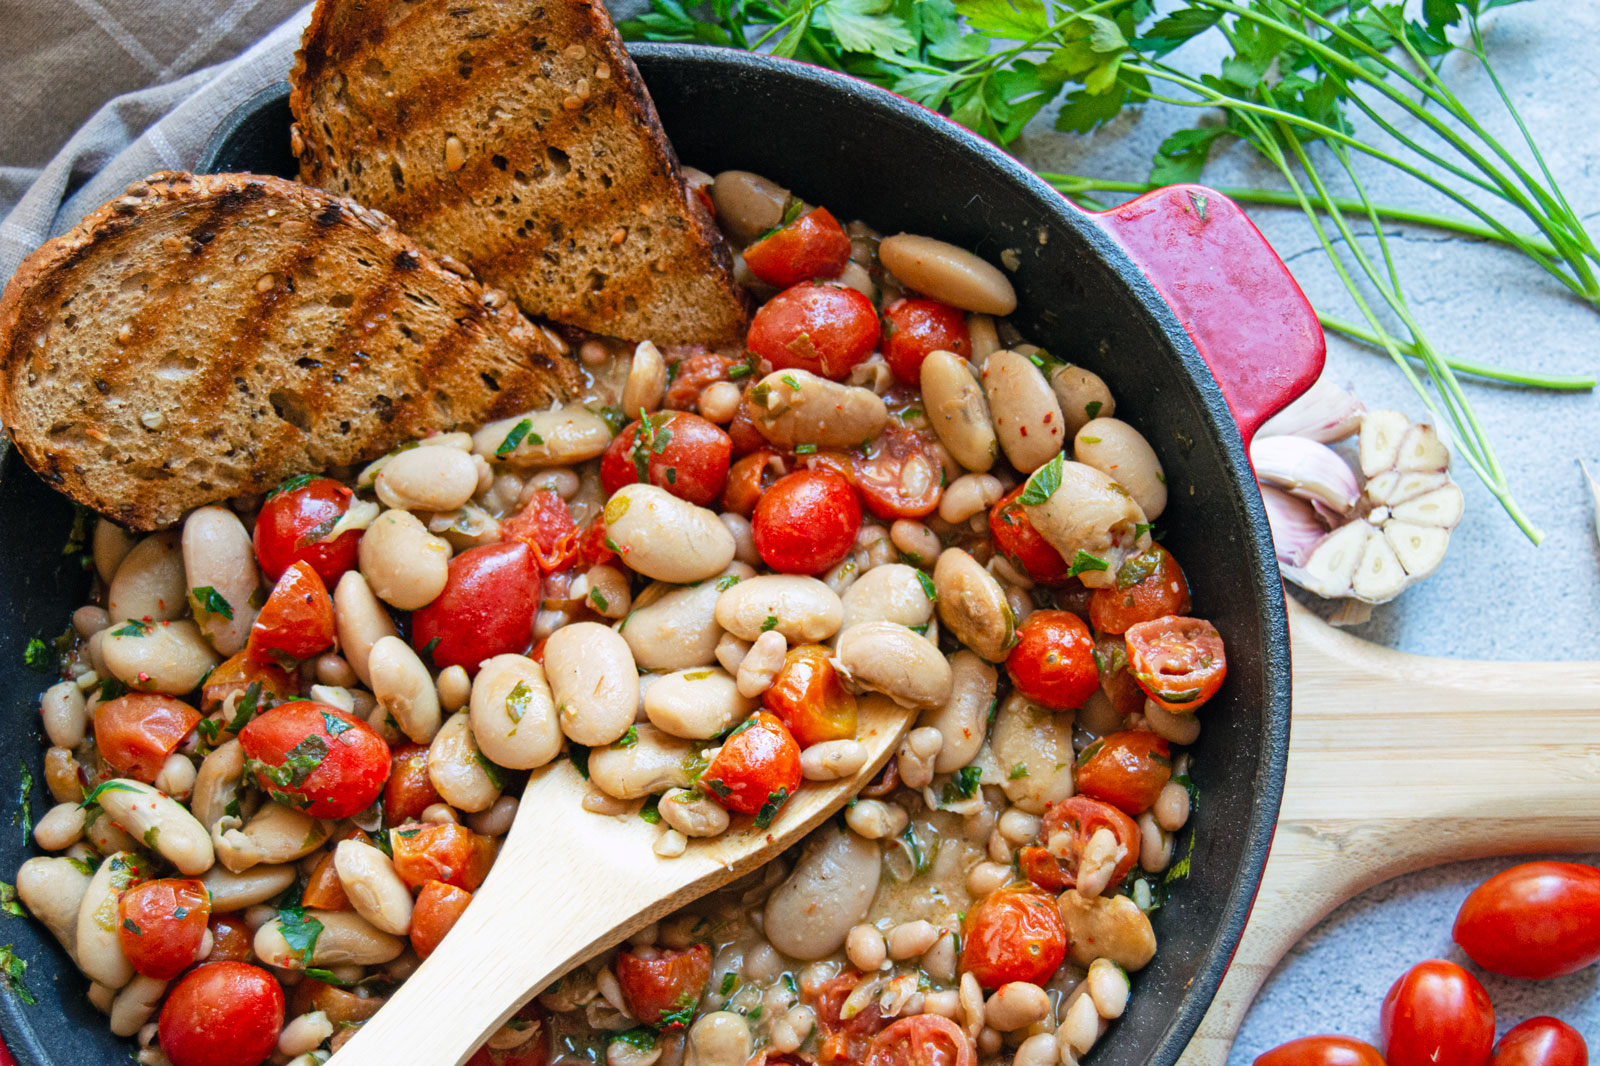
<point x="968" y="495"/>
<point x="427" y="479"/>
<point x="962" y="719"/>
<point x="655" y="762"/>
<point x="360" y="621"/>
<point x="1016" y="1005"/>
<point x="698" y="704"/>
<point x="166" y="657"/>
<point x="830" y="890"/>
<point x="455" y="769"/>
<point x="647" y="380"/>
<point x="405" y="565"/>
<point x="915" y="540"/>
<point x="218" y="554"/>
<point x="1083" y="395"/>
<point x="110" y="544"/>
<point x="1091" y="513"/>
<point x="833" y="760"/>
<point x="1111" y="927"/>
<point x="761" y="665"/>
<point x="136" y="1004"/>
<point x="513" y="713"/>
<point x="954" y="275"/>
<point x="275" y="834"/>
<point x="374" y="889"/>
<point x="692" y="814"/>
<point x="674" y="627"/>
<point x="663" y="537"/>
<point x="1027" y="416"/>
<point x="149" y="583"/>
<point x="60" y="828"/>
<point x="604" y="590"/>
<point x="1039" y="741"/>
<point x="217" y="785"/>
<point x="956" y="407"/>
<point x="562" y="436"/>
<point x="161" y="822"/>
<point x="889" y="658"/>
<point x="99" y="947"/>
<point x="236" y="891"/>
<point x="893" y="592"/>
<point x="53" y="889"/>
<point x="64" y="713"/>
<point x="972" y="605"/>
<point x="792" y="407"/>
<point x="1120" y="452"/>
<point x="802" y="609"/>
<point x="593" y="681"/>
<point x="402" y="685"/>
<point x="346" y="938"/>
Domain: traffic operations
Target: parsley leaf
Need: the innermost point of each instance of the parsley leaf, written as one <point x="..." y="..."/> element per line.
<point x="299" y="930"/>
<point x="37" y="656"/>
<point x="769" y="809"/>
<point x="523" y="429"/>
<point x="211" y="601"/>
<point x="1042" y="483"/>
<point x="1082" y="562"/>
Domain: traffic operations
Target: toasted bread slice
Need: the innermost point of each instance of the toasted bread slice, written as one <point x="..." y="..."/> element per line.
<point x="205" y="337"/>
<point x="518" y="137"/>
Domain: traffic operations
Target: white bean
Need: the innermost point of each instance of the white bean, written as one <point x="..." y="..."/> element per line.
<point x="956" y="406"/>
<point x="496" y="821"/>
<point x="427" y="479"/>
<point x="454" y="687"/>
<point x="968" y="495"/>
<point x="793" y="407"/>
<point x="218" y="554"/>
<point x="692" y="814"/>
<point x="802" y="609"/>
<point x="833" y="760"/>
<point x="945" y="272"/>
<point x="275" y="834"/>
<point x="1170" y="725"/>
<point x="1155" y="846"/>
<point x="1033" y="746"/>
<point x="830" y="890"/>
<point x="721" y="1038"/>
<point x="176" y="777"/>
<point x="1108" y="986"/>
<point x="136" y="1004"/>
<point x="160" y="821"/>
<point x="911" y="939"/>
<point x="60" y="828"/>
<point x="1122" y="454"/>
<point x="1080" y="1024"/>
<point x="647" y="380"/>
<point x="604" y="589"/>
<point x="64" y="713"/>
<point x="1171" y="808"/>
<point x="1016" y="1005"/>
<point x="402" y="685"/>
<point x="719" y="402"/>
<point x="747" y="206"/>
<point x="962" y="719"/>
<point x="236" y="891"/>
<point x="99" y="947"/>
<point x="375" y="890"/>
<point x="1027" y="417"/>
<point x="110" y="545"/>
<point x="562" y="436"/>
<point x="166" y="657"/>
<point x="456" y="768"/>
<point x="346" y="938"/>
<point x="916" y="541"/>
<point x="893" y="592"/>
<point x="865" y="948"/>
<point x="874" y="819"/>
<point x="1111" y="927"/>
<point x="53" y="889"/>
<point x="405" y="565"/>
<point x="593" y="681"/>
<point x="305" y="1033"/>
<point x="663" y="537"/>
<point x="149" y="583"/>
<point x="673" y="627"/>
<point x="1083" y="395"/>
<point x="1038" y="1050"/>
<point x="360" y="621"/>
<point x="698" y="704"/>
<point x="653" y="763"/>
<point x="889" y="658"/>
<point x="972" y="605"/>
<point x="1091" y="513"/>
<point x="513" y="713"/>
<point x="761" y="665"/>
<point x="217" y="785"/>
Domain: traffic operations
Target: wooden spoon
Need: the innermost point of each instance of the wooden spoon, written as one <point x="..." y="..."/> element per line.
<point x="569" y="884"/>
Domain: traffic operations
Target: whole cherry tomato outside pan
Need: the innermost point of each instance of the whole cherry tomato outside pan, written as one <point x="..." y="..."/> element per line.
<point x="135" y="733"/>
<point x="161" y="923"/>
<point x="486" y="608"/>
<point x="1538" y="920"/>
<point x="1149" y="586"/>
<point x="812" y="246"/>
<point x="1322" y="1051"/>
<point x="1053" y="660"/>
<point x="1014" y="933"/>
<point x="757" y="770"/>
<point x="1542" y="1042"/>
<point x="807" y="522"/>
<point x="921" y="1040"/>
<point x="295" y="518"/>
<point x="913" y="327"/>
<point x="1128" y="770"/>
<point x="674" y="450"/>
<point x="1179" y="662"/>
<point x="222" y="1014"/>
<point x="664" y="990"/>
<point x="296" y="622"/>
<point x="1437" y="1013"/>
<point x="316" y="758"/>
<point x="824" y="328"/>
<point x="1017" y="540"/>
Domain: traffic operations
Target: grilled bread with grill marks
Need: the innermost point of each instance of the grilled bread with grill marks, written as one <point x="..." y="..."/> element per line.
<point x="517" y="136"/>
<point x="205" y="337"/>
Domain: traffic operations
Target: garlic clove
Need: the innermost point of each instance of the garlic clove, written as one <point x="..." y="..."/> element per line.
<point x="1324" y="412"/>
<point x="1379" y="577"/>
<point x="1331" y="567"/>
<point x="1420" y="549"/>
<point x="1421" y="449"/>
<point x="1307" y="469"/>
<point x="1393" y="487"/>
<point x="1295" y="529"/>
<point x="1381" y="435"/>
<point x="1442" y="507"/>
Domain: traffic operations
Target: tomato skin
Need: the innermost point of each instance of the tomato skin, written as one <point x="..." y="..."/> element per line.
<point x="135" y="733"/>
<point x="826" y="329"/>
<point x="1016" y="538"/>
<point x="842" y="1041"/>
<point x="1128" y="770"/>
<point x="290" y="523"/>
<point x="1436" y="1013"/>
<point x="658" y="990"/>
<point x="758" y="767"/>
<point x="1053" y="660"/>
<point x="230" y="939"/>
<point x="1322" y="1051"/>
<point x="222" y="1014"/>
<point x="1015" y="933"/>
<point x="1080" y="817"/>
<point x="1179" y="662"/>
<point x="324" y="891"/>
<point x="807" y="522"/>
<point x="297" y="620"/>
<point x="450" y="853"/>
<point x="812" y="246"/>
<point x="545" y="525"/>
<point x="1111" y="656"/>
<point x="682" y="453"/>
<point x="809" y="697"/>
<point x="1543" y="1041"/>
<point x="749" y="478"/>
<point x="486" y="608"/>
<point x="436" y="911"/>
<point x="881" y="474"/>
<point x="921" y="1040"/>
<point x="237" y="674"/>
<point x="1537" y="920"/>
<point x="535" y="1051"/>
<point x="409" y="790"/>
<point x="693" y="374"/>
<point x="346" y="779"/>
<point x="914" y="327"/>
<point x="1157" y="589"/>
<point x="160" y="925"/>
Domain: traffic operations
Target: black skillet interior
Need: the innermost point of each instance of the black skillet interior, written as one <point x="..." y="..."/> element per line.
<point x="866" y="154"/>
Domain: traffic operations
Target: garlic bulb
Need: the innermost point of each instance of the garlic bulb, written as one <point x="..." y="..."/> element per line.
<point x="1324" y="412"/>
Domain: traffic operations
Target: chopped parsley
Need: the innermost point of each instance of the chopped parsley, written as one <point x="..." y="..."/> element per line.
<point x="580" y="760"/>
<point x="730" y="981"/>
<point x="211" y="601"/>
<point x="769" y="809"/>
<point x="651" y="811"/>
<point x="1083" y="562"/>
<point x="12" y="970"/>
<point x="490" y="770"/>
<point x="518" y="701"/>
<point x="523" y="430"/>
<point x="1018" y="772"/>
<point x="1042" y="483"/>
<point x="23" y="815"/>
<point x="962" y="786"/>
<point x="638" y="1037"/>
<point x="1092" y="408"/>
<point x="805" y="449"/>
<point x="132" y="628"/>
<point x="599" y="601"/>
<point x="727" y="583"/>
<point x="791" y="381"/>
<point x="112" y="689"/>
<point x="299" y="481"/>
<point x="927" y="587"/>
<point x="299" y="931"/>
<point x="630" y="738"/>
<point x="37" y="657"/>
<point x="770" y="623"/>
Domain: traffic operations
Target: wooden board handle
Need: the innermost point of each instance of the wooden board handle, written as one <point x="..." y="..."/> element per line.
<point x="1398" y="762"/>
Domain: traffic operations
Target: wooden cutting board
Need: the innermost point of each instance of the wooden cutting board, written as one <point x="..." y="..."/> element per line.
<point x="1398" y="762"/>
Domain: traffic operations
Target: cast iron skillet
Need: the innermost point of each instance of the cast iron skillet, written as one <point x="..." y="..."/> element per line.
<point x="868" y="154"/>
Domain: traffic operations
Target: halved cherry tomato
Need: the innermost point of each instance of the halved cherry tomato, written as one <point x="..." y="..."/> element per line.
<point x="342" y="1007"/>
<point x="809" y="697"/>
<point x="1537" y="920"/>
<point x="297" y="620"/>
<point x="742" y="429"/>
<point x="807" y="522"/>
<point x="295" y="518"/>
<point x="230" y="939"/>
<point x="1053" y="660"/>
<point x="160" y="925"/>
<point x="921" y="1040"/>
<point x="222" y="1014"/>
<point x="1116" y="681"/>
<point x="1014" y="933"/>
<point x="757" y="770"/>
<point x="915" y="326"/>
<point x="237" y="673"/>
<point x="812" y="246"/>
<point x="409" y="791"/>
<point x="545" y="525"/>
<point x="592" y="550"/>
<point x="1179" y="662"/>
<point x="1127" y="769"/>
<point x="437" y="908"/>
<point x="534" y="1051"/>
<point x="324" y="891"/>
<point x="899" y="473"/>
<point x="1437" y="1013"/>
<point x="316" y="758"/>
<point x="450" y="853"/>
<point x="664" y="991"/>
<point x="751" y="476"/>
<point x="1322" y="1051"/>
<point x="826" y="329"/>
<point x="843" y="1041"/>
<point x="1080" y="817"/>
<point x="690" y="376"/>
<point x="1149" y="586"/>
<point x="135" y="733"/>
<point x="673" y="450"/>
<point x="1021" y="544"/>
<point x="1542" y="1041"/>
<point x="486" y="608"/>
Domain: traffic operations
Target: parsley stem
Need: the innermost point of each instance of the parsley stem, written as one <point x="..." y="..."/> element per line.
<point x="1487" y="371"/>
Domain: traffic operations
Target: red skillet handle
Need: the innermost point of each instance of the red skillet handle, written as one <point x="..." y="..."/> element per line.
<point x="1231" y="292"/>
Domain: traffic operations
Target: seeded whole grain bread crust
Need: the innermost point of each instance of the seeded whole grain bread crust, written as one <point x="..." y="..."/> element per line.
<point x="517" y="136"/>
<point x="203" y="337"/>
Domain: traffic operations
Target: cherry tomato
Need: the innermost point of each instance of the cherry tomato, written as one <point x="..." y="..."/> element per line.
<point x="339" y="1005"/>
<point x="842" y="1040"/>
<point x="535" y="1051"/>
<point x="915" y="326"/>
<point x="222" y="1014"/>
<point x="1537" y="920"/>
<point x="742" y="430"/>
<point x="1127" y="769"/>
<point x="1053" y="660"/>
<point x="751" y="476"/>
<point x="486" y="608"/>
<point x="1014" y="933"/>
<point x="1021" y="544"/>
<point x="812" y="246"/>
<point x="826" y="329"/>
<point x="757" y="770"/>
<point x="1437" y="1013"/>
<point x="409" y="791"/>
<point x="237" y="673"/>
<point x="809" y="697"/>
<point x="324" y="891"/>
<point x="297" y="620"/>
<point x="1179" y="662"/>
<point x="1542" y="1042"/>
<point x="1079" y="817"/>
<point x="1111" y="657"/>
<point x="450" y="853"/>
<point x="295" y="518"/>
<point x="665" y="990"/>
<point x="160" y="925"/>
<point x="545" y="525"/>
<point x="899" y="473"/>
<point x="316" y="758"/>
<point x="674" y="450"/>
<point x="691" y="376"/>
<point x="1149" y="586"/>
<point x="437" y="908"/>
<point x="592" y="550"/>
<point x="807" y="522"/>
<point x="230" y="939"/>
<point x="921" y="1040"/>
<point x="1322" y="1051"/>
<point x="135" y="733"/>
